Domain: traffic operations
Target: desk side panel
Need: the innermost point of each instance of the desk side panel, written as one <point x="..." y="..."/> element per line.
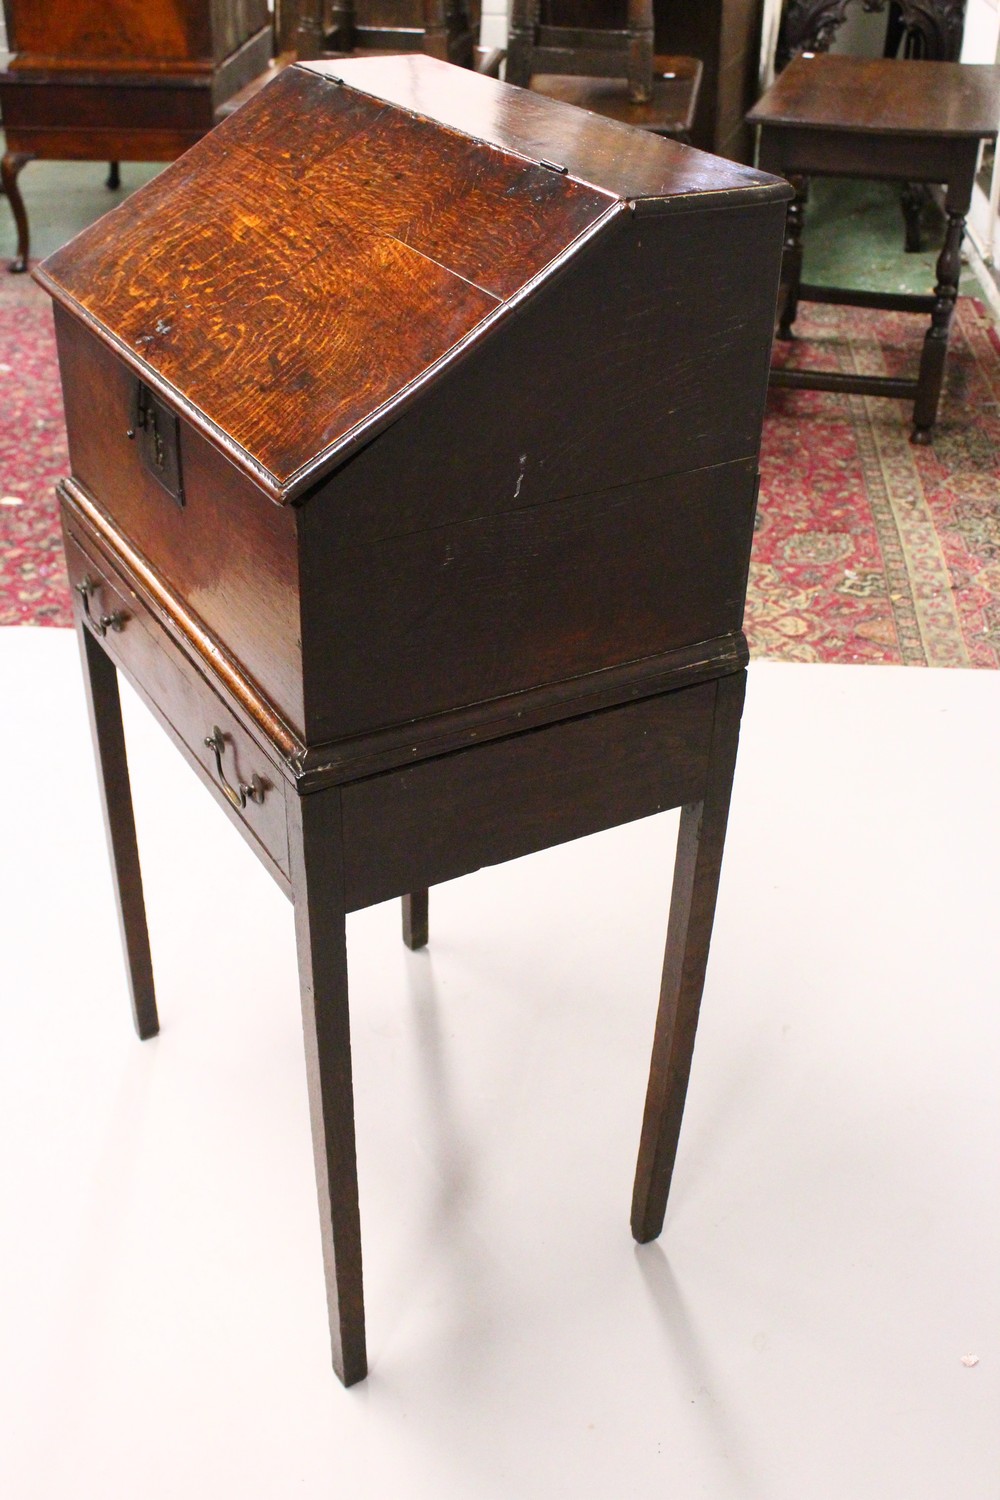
<point x="578" y="495"/>
<point x="647" y="358"/>
<point x="470" y="611"/>
<point x="440" y="819"/>
<point x="229" y="552"/>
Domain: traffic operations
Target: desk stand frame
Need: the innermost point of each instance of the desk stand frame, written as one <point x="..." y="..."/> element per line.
<point x="331" y="832"/>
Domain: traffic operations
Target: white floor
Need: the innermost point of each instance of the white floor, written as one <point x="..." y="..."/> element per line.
<point x="832" y="1244"/>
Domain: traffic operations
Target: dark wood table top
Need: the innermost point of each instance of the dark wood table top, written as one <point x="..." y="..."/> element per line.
<point x="884" y="96"/>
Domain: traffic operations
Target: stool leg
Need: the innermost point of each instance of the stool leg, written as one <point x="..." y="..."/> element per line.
<point x="11" y="167"/>
<point x="340" y="21"/>
<point x="791" y="257"/>
<point x="314" y="830"/>
<point x="935" y="348"/>
<point x="692" y="910"/>
<point x="639" y="64"/>
<point x="524" y="18"/>
<point x="309" y="41"/>
<point x="104" y="706"/>
<point x="435" y="29"/>
<point x="415" y="919"/>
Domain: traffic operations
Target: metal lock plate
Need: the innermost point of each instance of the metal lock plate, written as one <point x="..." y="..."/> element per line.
<point x="157" y="430"/>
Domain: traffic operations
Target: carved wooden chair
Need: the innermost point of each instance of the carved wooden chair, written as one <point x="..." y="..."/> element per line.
<point x="928" y="29"/>
<point x="599" y="56"/>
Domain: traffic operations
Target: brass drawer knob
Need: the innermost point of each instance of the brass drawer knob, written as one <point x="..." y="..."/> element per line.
<point x="239" y="795"/>
<point x="101" y="624"/>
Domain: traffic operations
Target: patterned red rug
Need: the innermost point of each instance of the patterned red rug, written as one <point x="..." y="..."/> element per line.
<point x="33" y="587"/>
<point x="867" y="549"/>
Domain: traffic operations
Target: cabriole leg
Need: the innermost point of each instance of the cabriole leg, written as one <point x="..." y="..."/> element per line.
<point x="104" y="705"/>
<point x="320" y="931"/>
<point x="10" y="169"/>
<point x="692" y="910"/>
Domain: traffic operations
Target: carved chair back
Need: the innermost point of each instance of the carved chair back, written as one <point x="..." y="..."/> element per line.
<point x="930" y="29"/>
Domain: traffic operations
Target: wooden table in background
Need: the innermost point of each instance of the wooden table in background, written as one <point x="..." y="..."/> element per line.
<point x="898" y="121"/>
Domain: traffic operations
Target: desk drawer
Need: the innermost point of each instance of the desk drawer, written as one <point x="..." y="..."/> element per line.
<point x="229" y="759"/>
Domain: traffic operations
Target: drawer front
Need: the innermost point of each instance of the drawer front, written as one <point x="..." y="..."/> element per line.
<point x="229" y="759"/>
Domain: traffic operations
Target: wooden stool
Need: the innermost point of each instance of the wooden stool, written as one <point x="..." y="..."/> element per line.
<point x="610" y="71"/>
<point x="899" y="121"/>
<point x="445" y="29"/>
<point x="546" y="37"/>
<point x="668" y="112"/>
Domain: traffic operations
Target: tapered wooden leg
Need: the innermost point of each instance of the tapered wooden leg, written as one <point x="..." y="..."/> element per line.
<point x="931" y="376"/>
<point x="692" y="910"/>
<point x="314" y="831"/>
<point x="10" y="169"/>
<point x="415" y="919"/>
<point x="104" y="704"/>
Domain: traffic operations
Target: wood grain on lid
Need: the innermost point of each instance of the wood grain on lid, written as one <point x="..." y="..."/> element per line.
<point x="305" y="265"/>
<point x="631" y="164"/>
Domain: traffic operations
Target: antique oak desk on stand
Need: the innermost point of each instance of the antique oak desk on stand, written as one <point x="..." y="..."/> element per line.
<point x="900" y="121"/>
<point x="413" y="426"/>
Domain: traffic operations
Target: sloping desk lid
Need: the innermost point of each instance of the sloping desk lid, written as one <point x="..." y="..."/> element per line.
<point x="303" y="271"/>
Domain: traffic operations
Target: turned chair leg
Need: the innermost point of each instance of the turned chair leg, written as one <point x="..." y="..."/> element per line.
<point x="791" y="258"/>
<point x="415" y="919"/>
<point x="314" y="828"/>
<point x="104" y="705"/>
<point x="932" y="359"/>
<point x="11" y="167"/>
<point x="692" y="910"/>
